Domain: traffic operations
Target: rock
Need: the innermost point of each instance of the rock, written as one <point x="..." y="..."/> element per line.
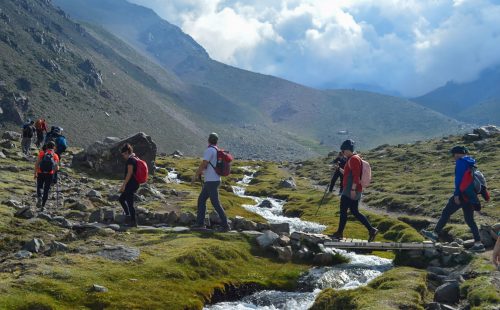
<point x="469" y="243"/>
<point x="78" y="206"/>
<point x="120" y="253"/>
<point x="111" y="140"/>
<point x="438" y="271"/>
<point x="283" y="240"/>
<point x="121" y="218"/>
<point x="487" y="131"/>
<point x="7" y="144"/>
<point x="177" y="153"/>
<point x="23" y="254"/>
<point x="430" y="253"/>
<point x="62" y="221"/>
<point x="251" y="233"/>
<point x="11" y="136"/>
<point x="214" y="218"/>
<point x="448" y="293"/>
<point x="108" y="216"/>
<point x="281" y="228"/>
<point x="94" y="193"/>
<point x="263" y="226"/>
<point x="114" y="227"/>
<point x="486" y="237"/>
<point x="180" y="229"/>
<point x="240" y="223"/>
<point x="13" y="204"/>
<point x="44" y="216"/>
<point x="98" y="288"/>
<point x="96" y="216"/>
<point x="265" y="204"/>
<point x="267" y="239"/>
<point x="288" y="183"/>
<point x="303" y="254"/>
<point x="34" y="246"/>
<point x="56" y="246"/>
<point x="433" y="306"/>
<point x="284" y="253"/>
<point x="106" y="158"/>
<point x="323" y="259"/>
<point x="471" y="137"/>
<point x="187" y="218"/>
<point x="2" y="155"/>
<point x="172" y="218"/>
<point x="26" y="213"/>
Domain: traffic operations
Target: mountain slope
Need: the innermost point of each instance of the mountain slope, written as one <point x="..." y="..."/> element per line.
<point x="308" y="116"/>
<point x="477" y="101"/>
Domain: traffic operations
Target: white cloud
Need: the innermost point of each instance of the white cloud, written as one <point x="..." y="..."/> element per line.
<point x="409" y="46"/>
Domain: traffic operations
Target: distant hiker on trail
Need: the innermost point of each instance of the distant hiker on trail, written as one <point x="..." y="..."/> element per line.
<point x="210" y="185"/>
<point x="339" y="163"/>
<point x="46" y="167"/>
<point x="351" y="193"/>
<point x="41" y="130"/>
<point x="27" y="137"/>
<point x="130" y="183"/>
<point x="57" y="137"/>
<point x="462" y="199"/>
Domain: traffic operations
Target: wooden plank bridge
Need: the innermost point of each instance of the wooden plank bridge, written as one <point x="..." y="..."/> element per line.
<point x="355" y="244"/>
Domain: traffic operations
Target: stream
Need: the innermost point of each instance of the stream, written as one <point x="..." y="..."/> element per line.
<point x="358" y="272"/>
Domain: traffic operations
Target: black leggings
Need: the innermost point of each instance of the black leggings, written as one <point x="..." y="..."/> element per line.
<point x="43" y="181"/>
<point x="452" y="207"/>
<point x="336" y="175"/>
<point x="127" y="200"/>
<point x="347" y="203"/>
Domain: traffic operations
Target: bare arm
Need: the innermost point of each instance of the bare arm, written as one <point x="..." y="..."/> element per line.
<point x="37" y="164"/>
<point x="202" y="167"/>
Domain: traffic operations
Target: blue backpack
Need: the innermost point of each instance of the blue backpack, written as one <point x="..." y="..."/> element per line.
<point x="61" y="144"/>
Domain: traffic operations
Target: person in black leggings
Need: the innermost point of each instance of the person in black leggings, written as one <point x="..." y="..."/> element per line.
<point x="130" y="184"/>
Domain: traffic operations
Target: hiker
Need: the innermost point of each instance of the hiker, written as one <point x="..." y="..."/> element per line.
<point x="46" y="167"/>
<point x="351" y="192"/>
<point x="27" y="137"/>
<point x="41" y="130"/>
<point x="210" y="186"/>
<point x="57" y="137"/>
<point x="130" y="184"/>
<point x="466" y="200"/>
<point x="339" y="163"/>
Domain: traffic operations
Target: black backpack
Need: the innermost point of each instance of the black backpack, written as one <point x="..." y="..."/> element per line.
<point x="27" y="131"/>
<point x="48" y="163"/>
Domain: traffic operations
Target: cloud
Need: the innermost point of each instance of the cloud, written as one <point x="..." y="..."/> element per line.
<point x="408" y="46"/>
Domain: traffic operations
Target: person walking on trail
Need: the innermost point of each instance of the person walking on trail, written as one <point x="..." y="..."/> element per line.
<point x="46" y="167"/>
<point x="57" y="137"/>
<point x="130" y="184"/>
<point x="465" y="200"/>
<point x="339" y="163"/>
<point x="351" y="192"/>
<point x="41" y="130"/>
<point x="27" y="137"/>
<point x="210" y="185"/>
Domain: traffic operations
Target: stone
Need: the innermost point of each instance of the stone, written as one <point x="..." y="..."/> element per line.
<point x="2" y="155"/>
<point x="281" y="228"/>
<point x="471" y="137"/>
<point x="251" y="233"/>
<point x="23" y="254"/>
<point x="172" y="218"/>
<point x="7" y="144"/>
<point x="56" y="246"/>
<point x="285" y="254"/>
<point x="26" y="213"/>
<point x="438" y="271"/>
<point x="121" y="218"/>
<point x="187" y="218"/>
<point x="109" y="216"/>
<point x="11" y="136"/>
<point x="13" y="204"/>
<point x="486" y="238"/>
<point x="267" y="239"/>
<point x="111" y="140"/>
<point x="448" y="293"/>
<point x="283" y="240"/>
<point x="263" y="226"/>
<point x="446" y="259"/>
<point x="44" y="216"/>
<point x="469" y="243"/>
<point x="487" y="131"/>
<point x="433" y="306"/>
<point x="98" y="288"/>
<point x="180" y="229"/>
<point x="119" y="253"/>
<point x="96" y="216"/>
<point x="214" y="218"/>
<point x="107" y="159"/>
<point x="62" y="221"/>
<point x="265" y="204"/>
<point x="288" y="183"/>
<point x="34" y="246"/>
<point x="78" y="206"/>
<point x="430" y="253"/>
<point x="94" y="193"/>
<point x="240" y="223"/>
<point x="323" y="259"/>
<point x="114" y="227"/>
<point x="303" y="254"/>
<point x="177" y="153"/>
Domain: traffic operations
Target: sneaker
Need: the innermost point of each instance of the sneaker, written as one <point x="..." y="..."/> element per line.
<point x="371" y="234"/>
<point x="478" y="248"/>
<point x="337" y="235"/>
<point x="429" y="235"/>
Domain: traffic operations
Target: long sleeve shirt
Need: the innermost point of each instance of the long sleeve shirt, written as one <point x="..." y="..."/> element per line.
<point x="352" y="176"/>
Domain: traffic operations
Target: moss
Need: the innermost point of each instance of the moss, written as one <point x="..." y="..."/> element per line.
<point x="399" y="288"/>
<point x="479" y="290"/>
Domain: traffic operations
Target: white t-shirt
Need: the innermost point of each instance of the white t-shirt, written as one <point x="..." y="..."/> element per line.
<point x="210" y="155"/>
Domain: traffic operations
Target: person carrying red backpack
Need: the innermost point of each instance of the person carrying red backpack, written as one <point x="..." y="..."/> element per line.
<point x="41" y="128"/>
<point x="46" y="167"/>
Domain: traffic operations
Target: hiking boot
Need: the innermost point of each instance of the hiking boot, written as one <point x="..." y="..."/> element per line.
<point x="371" y="234"/>
<point x="478" y="248"/>
<point x="337" y="235"/>
<point x="429" y="235"/>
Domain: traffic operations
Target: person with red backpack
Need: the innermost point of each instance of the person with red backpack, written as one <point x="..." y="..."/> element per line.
<point x="41" y="130"/>
<point x="46" y="167"/>
<point x="351" y="192"/>
<point x="464" y="197"/>
<point x="136" y="173"/>
<point x="211" y="168"/>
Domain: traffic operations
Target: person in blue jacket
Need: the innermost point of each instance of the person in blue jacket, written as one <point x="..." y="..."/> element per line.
<point x="462" y="198"/>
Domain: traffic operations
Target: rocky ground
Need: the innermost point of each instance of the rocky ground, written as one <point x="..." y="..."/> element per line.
<point x="79" y="252"/>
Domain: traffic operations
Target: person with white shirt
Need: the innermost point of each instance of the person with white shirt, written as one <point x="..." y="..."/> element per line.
<point x="210" y="185"/>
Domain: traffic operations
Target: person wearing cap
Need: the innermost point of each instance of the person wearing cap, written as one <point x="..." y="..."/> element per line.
<point x="459" y="200"/>
<point x="351" y="192"/>
<point x="210" y="185"/>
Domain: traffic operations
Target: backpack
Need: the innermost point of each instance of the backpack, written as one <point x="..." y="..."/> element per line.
<point x="61" y="144"/>
<point x="27" y="131"/>
<point x="366" y="172"/>
<point x="48" y="163"/>
<point x="142" y="171"/>
<point x="480" y="185"/>
<point x="224" y="160"/>
<point x="39" y="125"/>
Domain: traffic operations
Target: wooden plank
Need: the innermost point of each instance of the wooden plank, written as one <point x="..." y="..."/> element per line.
<point x="379" y="245"/>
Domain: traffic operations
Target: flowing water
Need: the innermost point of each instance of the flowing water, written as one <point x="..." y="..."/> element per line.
<point x="359" y="271"/>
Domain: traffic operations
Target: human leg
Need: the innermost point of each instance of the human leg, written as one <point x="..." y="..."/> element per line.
<point x="213" y="191"/>
<point x="202" y="206"/>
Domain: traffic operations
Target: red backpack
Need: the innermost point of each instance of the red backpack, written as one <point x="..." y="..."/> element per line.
<point x="142" y="171"/>
<point x="224" y="159"/>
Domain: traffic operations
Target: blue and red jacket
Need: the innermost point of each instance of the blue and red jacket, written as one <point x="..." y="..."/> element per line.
<point x="464" y="181"/>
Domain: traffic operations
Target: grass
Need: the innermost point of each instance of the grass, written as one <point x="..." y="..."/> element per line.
<point x="399" y="288"/>
<point x="479" y="290"/>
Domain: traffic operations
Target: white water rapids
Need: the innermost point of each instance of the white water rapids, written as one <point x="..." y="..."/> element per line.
<point x="359" y="271"/>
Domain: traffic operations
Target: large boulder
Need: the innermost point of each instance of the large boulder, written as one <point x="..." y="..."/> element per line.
<point x="487" y="131"/>
<point x="448" y="293"/>
<point x="105" y="157"/>
<point x="11" y="135"/>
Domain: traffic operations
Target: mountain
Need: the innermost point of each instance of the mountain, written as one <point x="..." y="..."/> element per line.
<point x="315" y="119"/>
<point x="477" y="101"/>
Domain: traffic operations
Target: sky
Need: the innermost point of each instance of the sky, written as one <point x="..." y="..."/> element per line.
<point x="406" y="47"/>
